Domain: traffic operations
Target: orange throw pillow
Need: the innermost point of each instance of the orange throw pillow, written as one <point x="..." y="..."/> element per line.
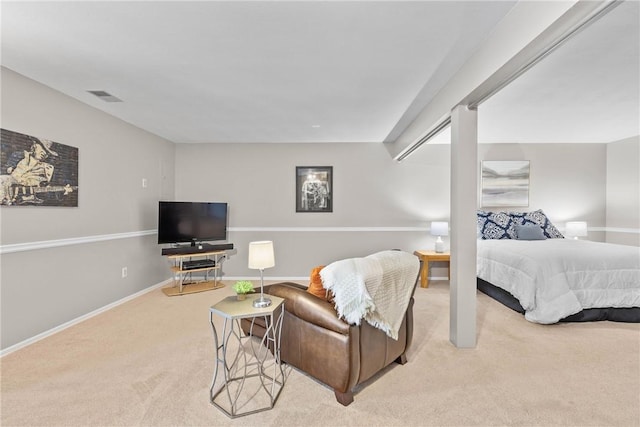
<point x="315" y="283"/>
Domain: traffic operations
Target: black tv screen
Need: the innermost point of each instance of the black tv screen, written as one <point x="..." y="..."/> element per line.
<point x="180" y="222"/>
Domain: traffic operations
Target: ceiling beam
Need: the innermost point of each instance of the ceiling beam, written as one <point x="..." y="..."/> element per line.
<point x="529" y="32"/>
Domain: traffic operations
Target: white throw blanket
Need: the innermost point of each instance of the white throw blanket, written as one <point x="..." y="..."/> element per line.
<point x="376" y="288"/>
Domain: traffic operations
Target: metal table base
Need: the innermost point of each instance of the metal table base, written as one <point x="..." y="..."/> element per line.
<point x="251" y="370"/>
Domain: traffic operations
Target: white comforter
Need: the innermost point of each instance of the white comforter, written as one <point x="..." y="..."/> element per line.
<point x="556" y="278"/>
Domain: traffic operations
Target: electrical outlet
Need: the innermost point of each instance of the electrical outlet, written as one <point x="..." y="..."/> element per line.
<point x="144" y="182"/>
<point x="124" y="272"/>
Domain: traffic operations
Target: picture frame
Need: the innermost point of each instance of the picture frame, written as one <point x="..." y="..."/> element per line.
<point x="314" y="188"/>
<point x="35" y="171"/>
<point x="505" y="183"/>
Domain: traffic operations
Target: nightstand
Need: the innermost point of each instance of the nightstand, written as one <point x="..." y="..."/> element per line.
<point x="426" y="257"/>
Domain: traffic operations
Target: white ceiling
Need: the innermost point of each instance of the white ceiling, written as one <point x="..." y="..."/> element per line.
<point x="586" y="91"/>
<point x="306" y="71"/>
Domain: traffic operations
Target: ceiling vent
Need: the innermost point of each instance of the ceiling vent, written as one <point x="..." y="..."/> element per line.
<point x="105" y="96"/>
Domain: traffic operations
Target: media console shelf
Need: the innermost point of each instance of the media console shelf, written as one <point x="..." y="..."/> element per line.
<point x="185" y="264"/>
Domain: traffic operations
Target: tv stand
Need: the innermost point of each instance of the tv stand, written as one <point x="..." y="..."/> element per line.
<point x="189" y="250"/>
<point x="197" y="260"/>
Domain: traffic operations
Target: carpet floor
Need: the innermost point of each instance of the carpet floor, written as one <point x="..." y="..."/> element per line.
<point x="149" y="362"/>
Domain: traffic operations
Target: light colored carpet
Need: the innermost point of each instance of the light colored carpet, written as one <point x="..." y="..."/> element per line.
<point x="149" y="362"/>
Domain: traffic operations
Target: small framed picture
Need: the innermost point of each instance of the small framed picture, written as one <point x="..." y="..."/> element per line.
<point x="314" y="188"/>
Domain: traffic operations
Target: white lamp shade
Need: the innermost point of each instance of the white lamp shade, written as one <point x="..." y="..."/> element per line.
<point x="576" y="229"/>
<point x="261" y="255"/>
<point x="439" y="228"/>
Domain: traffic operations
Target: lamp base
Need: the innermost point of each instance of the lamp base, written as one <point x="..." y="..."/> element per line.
<point x="439" y="245"/>
<point x="261" y="302"/>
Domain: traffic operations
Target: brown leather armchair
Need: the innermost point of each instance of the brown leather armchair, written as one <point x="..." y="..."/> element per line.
<point x="340" y="355"/>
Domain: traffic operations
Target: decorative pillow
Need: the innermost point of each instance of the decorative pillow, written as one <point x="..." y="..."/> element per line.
<point x="495" y="225"/>
<point x="530" y="232"/>
<point x="537" y="217"/>
<point x="315" y="284"/>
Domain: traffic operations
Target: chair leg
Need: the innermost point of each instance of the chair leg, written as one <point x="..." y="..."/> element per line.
<point x="402" y="359"/>
<point x="344" y="398"/>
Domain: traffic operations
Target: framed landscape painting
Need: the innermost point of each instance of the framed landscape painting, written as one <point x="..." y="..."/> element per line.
<point x="505" y="183"/>
<point x="314" y="189"/>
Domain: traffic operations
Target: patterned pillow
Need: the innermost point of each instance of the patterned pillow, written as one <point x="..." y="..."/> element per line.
<point x="539" y="218"/>
<point x="495" y="225"/>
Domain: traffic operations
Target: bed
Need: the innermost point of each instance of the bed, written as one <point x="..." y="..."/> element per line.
<point x="552" y="279"/>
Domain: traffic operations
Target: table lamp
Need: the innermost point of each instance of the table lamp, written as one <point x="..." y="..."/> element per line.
<point x="439" y="228"/>
<point x="576" y="229"/>
<point x="261" y="257"/>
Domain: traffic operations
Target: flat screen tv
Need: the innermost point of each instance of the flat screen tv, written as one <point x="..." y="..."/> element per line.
<point x="194" y="222"/>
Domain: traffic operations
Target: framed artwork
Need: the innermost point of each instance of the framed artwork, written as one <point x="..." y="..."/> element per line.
<point x="314" y="188"/>
<point x="37" y="172"/>
<point x="505" y="183"/>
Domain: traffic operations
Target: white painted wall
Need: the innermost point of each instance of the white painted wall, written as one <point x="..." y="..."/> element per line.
<point x="623" y="192"/>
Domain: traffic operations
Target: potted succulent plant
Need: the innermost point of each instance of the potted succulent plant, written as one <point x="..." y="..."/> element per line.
<point x="242" y="288"/>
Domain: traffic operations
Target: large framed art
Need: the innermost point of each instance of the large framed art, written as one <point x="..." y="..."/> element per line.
<point x="314" y="189"/>
<point x="505" y="183"/>
<point x="35" y="171"/>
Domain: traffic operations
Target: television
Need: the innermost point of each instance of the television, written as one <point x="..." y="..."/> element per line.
<point x="194" y="222"/>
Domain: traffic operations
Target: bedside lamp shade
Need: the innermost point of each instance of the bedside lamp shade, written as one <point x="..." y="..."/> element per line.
<point x="439" y="228"/>
<point x="261" y="257"/>
<point x="576" y="229"/>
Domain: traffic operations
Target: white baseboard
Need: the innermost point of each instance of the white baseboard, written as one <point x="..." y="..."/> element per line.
<point x="80" y="319"/>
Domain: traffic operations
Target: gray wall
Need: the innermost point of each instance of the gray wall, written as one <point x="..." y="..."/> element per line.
<point x="567" y="181"/>
<point x="43" y="288"/>
<point x="371" y="191"/>
<point x="378" y="204"/>
<point x="623" y="192"/>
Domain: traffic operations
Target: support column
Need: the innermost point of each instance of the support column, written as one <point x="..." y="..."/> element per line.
<point x="464" y="196"/>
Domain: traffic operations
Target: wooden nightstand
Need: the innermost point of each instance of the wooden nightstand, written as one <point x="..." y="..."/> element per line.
<point x="426" y="257"/>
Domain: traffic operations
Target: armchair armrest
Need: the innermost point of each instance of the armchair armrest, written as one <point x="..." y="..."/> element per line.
<point x="309" y="308"/>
